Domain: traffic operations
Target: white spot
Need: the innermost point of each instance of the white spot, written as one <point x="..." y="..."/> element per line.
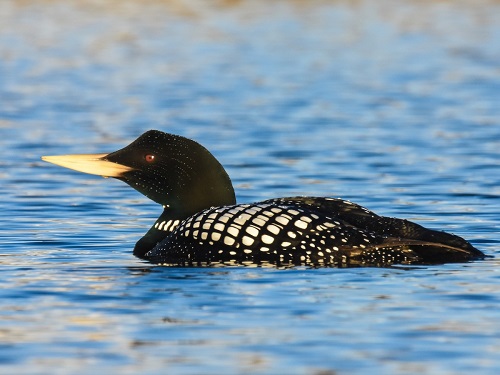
<point x="232" y="253"/>
<point x="285" y="244"/>
<point x="306" y="219"/>
<point x="267" y="239"/>
<point x="273" y="229"/>
<point x="247" y="251"/>
<point x="247" y="241"/>
<point x="204" y="235"/>
<point x="259" y="222"/>
<point x="276" y="210"/>
<point x="252" y="231"/>
<point x="292" y="234"/>
<point x="160" y="227"/>
<point x="264" y="249"/>
<point x="233" y="231"/>
<point x="242" y="219"/>
<point x="216" y="236"/>
<point x="207" y="226"/>
<point x="282" y="220"/>
<point x="320" y="253"/>
<point x="228" y="240"/>
<point x="300" y="224"/>
<point x="262" y="217"/>
<point x="220" y="226"/>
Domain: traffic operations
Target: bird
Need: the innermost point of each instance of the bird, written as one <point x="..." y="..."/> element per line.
<point x="202" y="225"/>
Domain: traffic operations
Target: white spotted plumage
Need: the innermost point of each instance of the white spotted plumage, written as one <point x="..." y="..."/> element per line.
<point x="274" y="231"/>
<point x="188" y="182"/>
<point x="286" y="232"/>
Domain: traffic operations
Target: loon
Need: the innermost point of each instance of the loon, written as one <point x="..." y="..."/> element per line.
<point x="202" y="225"/>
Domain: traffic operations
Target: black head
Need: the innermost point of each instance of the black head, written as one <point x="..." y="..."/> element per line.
<point x="175" y="172"/>
<point x="171" y="170"/>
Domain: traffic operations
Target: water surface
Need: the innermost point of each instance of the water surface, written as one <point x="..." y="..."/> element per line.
<point x="391" y="104"/>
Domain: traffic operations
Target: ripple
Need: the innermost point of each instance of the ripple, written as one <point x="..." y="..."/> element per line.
<point x="389" y="104"/>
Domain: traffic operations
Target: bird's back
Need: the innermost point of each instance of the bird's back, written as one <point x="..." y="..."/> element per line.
<point x="307" y="231"/>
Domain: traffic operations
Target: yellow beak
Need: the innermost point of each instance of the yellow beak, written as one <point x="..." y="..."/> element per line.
<point x="89" y="163"/>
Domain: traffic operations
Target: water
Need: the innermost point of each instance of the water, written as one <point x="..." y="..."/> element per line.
<point x="391" y="104"/>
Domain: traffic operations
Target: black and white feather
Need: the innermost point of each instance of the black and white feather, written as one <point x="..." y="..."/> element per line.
<point x="202" y="225"/>
<point x="299" y="231"/>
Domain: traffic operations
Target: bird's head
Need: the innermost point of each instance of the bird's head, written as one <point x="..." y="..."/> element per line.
<point x="169" y="169"/>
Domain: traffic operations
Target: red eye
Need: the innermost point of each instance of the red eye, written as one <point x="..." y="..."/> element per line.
<point x="149" y="158"/>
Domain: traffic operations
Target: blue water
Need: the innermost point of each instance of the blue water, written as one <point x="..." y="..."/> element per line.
<point x="391" y="104"/>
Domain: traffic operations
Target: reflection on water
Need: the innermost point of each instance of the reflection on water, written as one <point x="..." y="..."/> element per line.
<point x="391" y="104"/>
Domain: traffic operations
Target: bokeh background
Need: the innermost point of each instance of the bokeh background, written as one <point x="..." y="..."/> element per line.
<point x="392" y="104"/>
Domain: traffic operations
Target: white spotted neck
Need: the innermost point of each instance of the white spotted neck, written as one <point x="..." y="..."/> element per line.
<point x="167" y="226"/>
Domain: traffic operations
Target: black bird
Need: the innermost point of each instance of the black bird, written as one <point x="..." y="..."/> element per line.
<point x="201" y="224"/>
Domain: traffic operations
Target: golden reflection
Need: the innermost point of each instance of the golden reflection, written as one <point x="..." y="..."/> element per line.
<point x="407" y="12"/>
<point x="116" y="32"/>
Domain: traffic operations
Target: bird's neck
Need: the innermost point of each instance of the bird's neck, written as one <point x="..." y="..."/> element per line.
<point x="164" y="225"/>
